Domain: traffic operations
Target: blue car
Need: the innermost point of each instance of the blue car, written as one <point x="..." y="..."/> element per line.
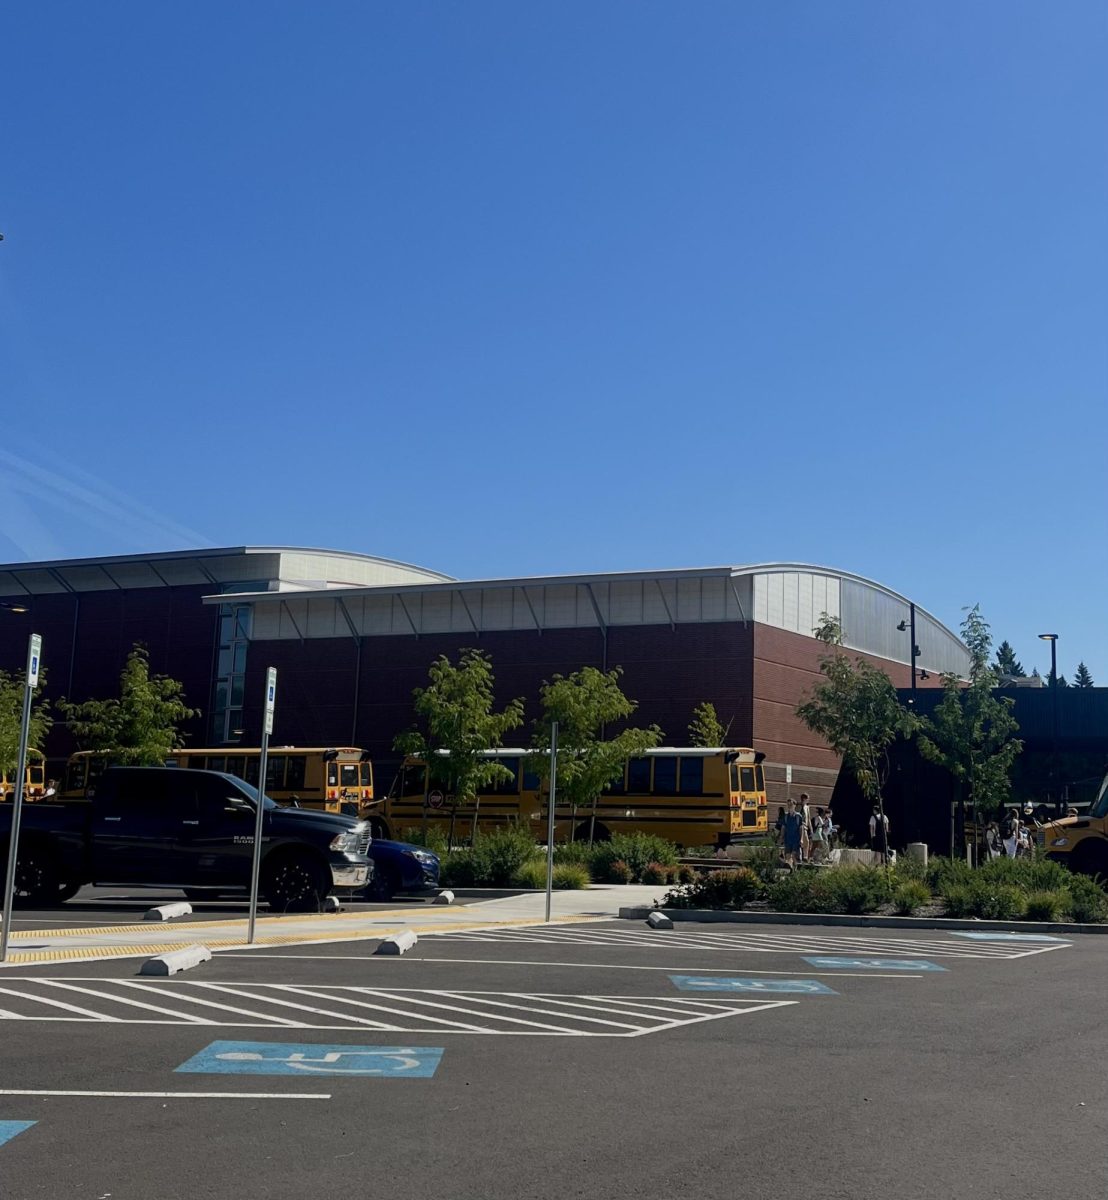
<point x="400" y="867"/>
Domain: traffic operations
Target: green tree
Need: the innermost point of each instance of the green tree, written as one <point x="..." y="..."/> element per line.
<point x="706" y="729"/>
<point x="584" y="704"/>
<point x="1007" y="663"/>
<point x="855" y="709"/>
<point x="1081" y="677"/>
<point x="459" y="726"/>
<point x="972" y="732"/>
<point x="11" y="718"/>
<point x="141" y="727"/>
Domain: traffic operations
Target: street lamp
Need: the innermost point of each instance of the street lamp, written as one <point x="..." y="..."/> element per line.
<point x="1052" y="638"/>
<point x="13" y="606"/>
<point x="911" y="628"/>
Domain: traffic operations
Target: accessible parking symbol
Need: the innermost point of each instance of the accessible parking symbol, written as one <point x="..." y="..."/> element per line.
<point x="9" y="1129"/>
<point x="284" y="1058"/>
<point x="742" y="983"/>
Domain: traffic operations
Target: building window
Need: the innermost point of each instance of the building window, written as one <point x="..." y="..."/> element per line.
<point x="229" y="690"/>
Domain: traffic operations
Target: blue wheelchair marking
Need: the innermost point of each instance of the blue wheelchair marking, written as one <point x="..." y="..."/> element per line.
<point x="9" y="1129"/>
<point x="1013" y="937"/>
<point x="742" y="983"/>
<point x="877" y="964"/>
<point x="287" y="1058"/>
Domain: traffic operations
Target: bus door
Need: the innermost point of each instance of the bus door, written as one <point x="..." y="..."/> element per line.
<point x="747" y="800"/>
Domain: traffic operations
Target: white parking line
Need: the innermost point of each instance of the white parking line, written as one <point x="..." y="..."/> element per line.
<point x="173" y="1095"/>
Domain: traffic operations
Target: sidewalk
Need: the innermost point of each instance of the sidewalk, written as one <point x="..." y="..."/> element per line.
<point x="141" y="939"/>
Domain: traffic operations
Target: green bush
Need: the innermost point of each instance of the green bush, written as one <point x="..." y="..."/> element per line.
<point x="578" y="853"/>
<point x="800" y="891"/>
<point x="531" y="874"/>
<point x="855" y="889"/>
<point x="958" y="899"/>
<point x="910" y="870"/>
<point x="637" y="850"/>
<point x="765" y="861"/>
<point x="910" y="895"/>
<point x="946" y="872"/>
<point x="492" y="861"/>
<point x="716" y="889"/>
<point x="1030" y="874"/>
<point x="655" y="873"/>
<point x="569" y="876"/>
<point x="1088" y="902"/>
<point x="1052" y="905"/>
<point x="432" y="838"/>
<point x="685" y="874"/>
<point x="999" y="902"/>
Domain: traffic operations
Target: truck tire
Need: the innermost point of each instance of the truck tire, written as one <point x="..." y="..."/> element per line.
<point x="295" y="882"/>
<point x="67" y="889"/>
<point x="37" y="878"/>
<point x="384" y="886"/>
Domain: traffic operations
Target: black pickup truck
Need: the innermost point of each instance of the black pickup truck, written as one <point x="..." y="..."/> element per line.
<point x="164" y="827"/>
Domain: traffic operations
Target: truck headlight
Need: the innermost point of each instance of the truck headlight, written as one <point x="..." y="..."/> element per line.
<point x="345" y="843"/>
<point x="1060" y="841"/>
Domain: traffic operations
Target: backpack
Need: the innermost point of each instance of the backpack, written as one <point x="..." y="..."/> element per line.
<point x="1009" y="828"/>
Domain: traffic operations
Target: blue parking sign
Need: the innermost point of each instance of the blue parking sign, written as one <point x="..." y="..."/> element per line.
<point x="875" y="964"/>
<point x="9" y="1129"/>
<point x="286" y="1058"/>
<point x="744" y="983"/>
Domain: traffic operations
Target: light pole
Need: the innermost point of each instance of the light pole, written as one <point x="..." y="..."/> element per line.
<point x="1052" y="638"/>
<point x="912" y="656"/>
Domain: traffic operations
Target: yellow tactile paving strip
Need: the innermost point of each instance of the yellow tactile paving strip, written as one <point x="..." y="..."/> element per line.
<point x="85" y="953"/>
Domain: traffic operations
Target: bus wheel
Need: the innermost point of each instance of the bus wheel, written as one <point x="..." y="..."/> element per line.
<point x="1091" y="858"/>
<point x="600" y="833"/>
<point x="378" y="829"/>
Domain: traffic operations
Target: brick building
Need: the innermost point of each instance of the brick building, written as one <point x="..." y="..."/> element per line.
<point x="351" y="636"/>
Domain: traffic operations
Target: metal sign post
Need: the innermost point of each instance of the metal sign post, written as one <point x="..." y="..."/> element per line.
<point x="550" y="815"/>
<point x="259" y="816"/>
<point x="34" y="657"/>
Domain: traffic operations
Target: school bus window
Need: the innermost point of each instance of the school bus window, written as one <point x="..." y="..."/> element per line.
<point x="692" y="776"/>
<point x="295" y="771"/>
<point x="367" y="774"/>
<point x="734" y="778"/>
<point x="348" y="775"/>
<point x="638" y="776"/>
<point x="617" y="787"/>
<point x="508" y="786"/>
<point x="252" y="767"/>
<point x="746" y="775"/>
<point x="411" y="782"/>
<point x="332" y="774"/>
<point x="217" y="762"/>
<point x="531" y="781"/>
<point x="665" y="776"/>
<point x="275" y="773"/>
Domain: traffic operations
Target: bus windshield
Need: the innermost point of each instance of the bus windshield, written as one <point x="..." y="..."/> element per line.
<point x="1100" y="804"/>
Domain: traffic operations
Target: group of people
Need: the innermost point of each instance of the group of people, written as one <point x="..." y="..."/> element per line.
<point x="805" y="834"/>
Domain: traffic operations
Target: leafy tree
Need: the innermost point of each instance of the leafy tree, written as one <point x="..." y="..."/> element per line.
<point x="1081" y="677"/>
<point x="141" y="727"/>
<point x="1007" y="663"/>
<point x="458" y="719"/>
<point x="972" y="732"/>
<point x="855" y="709"/>
<point x="584" y="704"/>
<point x="706" y="728"/>
<point x="11" y="718"/>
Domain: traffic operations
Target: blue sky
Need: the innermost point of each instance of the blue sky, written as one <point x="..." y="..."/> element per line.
<point x="508" y="288"/>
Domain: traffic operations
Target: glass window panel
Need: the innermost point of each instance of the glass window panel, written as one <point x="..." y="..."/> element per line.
<point x="665" y="776"/>
<point x="223" y="666"/>
<point x="367" y="774"/>
<point x="226" y="630"/>
<point x="240" y="660"/>
<point x="746" y="779"/>
<point x="220" y="697"/>
<point x="251" y="775"/>
<point x="734" y="778"/>
<point x="242" y="622"/>
<point x="234" y="725"/>
<point x="238" y="689"/>
<point x="236" y="765"/>
<point x="508" y="787"/>
<point x="348" y="775"/>
<point x="412" y="783"/>
<point x="217" y="762"/>
<point x="692" y="776"/>
<point x="638" y="776"/>
<point x="332" y="774"/>
<point x="295" y="771"/>
<point x="759" y="778"/>
<point x="531" y="781"/>
<point x="275" y="772"/>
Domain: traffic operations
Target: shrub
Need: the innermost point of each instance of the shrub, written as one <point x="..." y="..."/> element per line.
<point x="531" y="874"/>
<point x="579" y="853"/>
<point x="655" y="873"/>
<point x="1050" y="905"/>
<point x="492" y="861"/>
<point x="685" y="874"/>
<point x="619" y="872"/>
<point x="765" y="861"/>
<point x="800" y="891"/>
<point x="1088" y="902"/>
<point x="637" y="850"/>
<point x="855" y="889"/>
<point x="999" y="902"/>
<point x="958" y="899"/>
<point x="569" y="876"/>
<point x="1030" y="874"/>
<point x="433" y="838"/>
<point x="946" y="872"/>
<point x="716" y="889"/>
<point x="910" y="895"/>
<point x="910" y="870"/>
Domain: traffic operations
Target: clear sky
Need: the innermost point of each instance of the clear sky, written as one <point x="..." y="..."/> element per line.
<point x="516" y="288"/>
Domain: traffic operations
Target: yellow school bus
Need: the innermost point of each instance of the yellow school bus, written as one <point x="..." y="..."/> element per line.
<point x="34" y="778"/>
<point x="1080" y="842"/>
<point x="331" y="779"/>
<point x="691" y="795"/>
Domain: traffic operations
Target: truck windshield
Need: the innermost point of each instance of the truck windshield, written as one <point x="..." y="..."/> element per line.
<point x="248" y="790"/>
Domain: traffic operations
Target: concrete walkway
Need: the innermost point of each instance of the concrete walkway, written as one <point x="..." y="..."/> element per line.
<point x="144" y="938"/>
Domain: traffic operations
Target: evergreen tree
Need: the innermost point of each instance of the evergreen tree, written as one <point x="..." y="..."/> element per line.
<point x="1082" y="678"/>
<point x="1007" y="663"/>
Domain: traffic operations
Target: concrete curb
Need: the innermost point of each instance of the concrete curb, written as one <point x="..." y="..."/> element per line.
<point x="398" y="943"/>
<point x="641" y="912"/>
<point x="176" y="960"/>
<point x="167" y="912"/>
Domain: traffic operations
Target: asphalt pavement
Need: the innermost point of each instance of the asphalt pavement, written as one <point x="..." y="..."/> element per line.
<point x="596" y="1059"/>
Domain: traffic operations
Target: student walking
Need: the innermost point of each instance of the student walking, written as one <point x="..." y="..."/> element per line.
<point x="879" y="833"/>
<point x="791" y="833"/>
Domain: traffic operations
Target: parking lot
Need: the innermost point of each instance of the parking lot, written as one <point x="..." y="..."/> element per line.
<point x="598" y="1058"/>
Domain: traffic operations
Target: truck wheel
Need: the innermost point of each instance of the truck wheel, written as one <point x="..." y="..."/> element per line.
<point x="296" y="883"/>
<point x="67" y="889"/>
<point x="36" y="880"/>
